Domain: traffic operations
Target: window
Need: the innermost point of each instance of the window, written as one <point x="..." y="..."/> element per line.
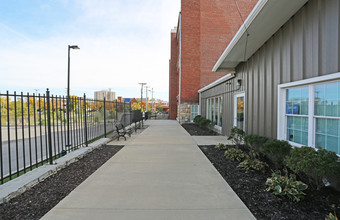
<point x="297" y="115"/>
<point x="239" y="111"/>
<point x="215" y="110"/>
<point x="310" y="114"/>
<point x="193" y="111"/>
<point x="327" y="115"/>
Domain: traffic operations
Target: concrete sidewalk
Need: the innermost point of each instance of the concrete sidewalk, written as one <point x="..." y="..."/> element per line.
<point x="161" y="174"/>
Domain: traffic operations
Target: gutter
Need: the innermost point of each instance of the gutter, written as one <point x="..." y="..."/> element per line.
<point x="217" y="82"/>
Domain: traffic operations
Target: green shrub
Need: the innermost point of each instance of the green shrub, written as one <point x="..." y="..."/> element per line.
<point x="253" y="164"/>
<point x="237" y="136"/>
<point x="204" y="122"/>
<point x="276" y="151"/>
<point x="234" y="154"/>
<point x="255" y="142"/>
<point x="315" y="165"/>
<point x="197" y="119"/>
<point x="221" y="146"/>
<point x="286" y="186"/>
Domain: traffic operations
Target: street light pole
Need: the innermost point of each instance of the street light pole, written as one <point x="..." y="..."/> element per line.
<point x="152" y="100"/>
<point x="68" y="94"/>
<point x="141" y="96"/>
<point x="146" y="99"/>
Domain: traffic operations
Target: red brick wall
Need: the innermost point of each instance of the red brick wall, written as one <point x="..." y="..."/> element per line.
<point x="220" y="21"/>
<point x="207" y="27"/>
<point x="190" y="56"/>
<point x="173" y="77"/>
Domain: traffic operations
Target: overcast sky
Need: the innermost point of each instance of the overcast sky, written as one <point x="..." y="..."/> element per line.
<point x="122" y="43"/>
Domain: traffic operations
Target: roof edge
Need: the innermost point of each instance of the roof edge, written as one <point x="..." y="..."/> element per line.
<point x="253" y="14"/>
<point x="217" y="82"/>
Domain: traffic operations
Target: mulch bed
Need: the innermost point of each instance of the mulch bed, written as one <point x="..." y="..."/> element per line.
<point x="251" y="189"/>
<point x="194" y="130"/>
<point x="37" y="201"/>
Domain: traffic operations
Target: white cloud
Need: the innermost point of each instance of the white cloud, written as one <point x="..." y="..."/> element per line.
<point x="122" y="43"/>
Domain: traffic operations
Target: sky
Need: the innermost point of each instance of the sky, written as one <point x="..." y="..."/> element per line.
<point x="122" y="43"/>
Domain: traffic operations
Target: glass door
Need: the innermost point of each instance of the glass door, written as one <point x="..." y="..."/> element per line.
<point x="239" y="115"/>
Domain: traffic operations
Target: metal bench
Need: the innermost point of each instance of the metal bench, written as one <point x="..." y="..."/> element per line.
<point x="122" y="131"/>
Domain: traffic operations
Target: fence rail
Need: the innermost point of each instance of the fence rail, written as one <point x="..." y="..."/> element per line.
<point x="35" y="129"/>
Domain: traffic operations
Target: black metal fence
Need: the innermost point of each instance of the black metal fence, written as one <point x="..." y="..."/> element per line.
<point x="35" y="129"/>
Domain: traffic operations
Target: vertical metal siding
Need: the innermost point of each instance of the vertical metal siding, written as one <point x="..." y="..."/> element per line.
<point x="306" y="46"/>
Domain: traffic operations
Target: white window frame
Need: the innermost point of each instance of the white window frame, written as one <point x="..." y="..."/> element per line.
<point x="281" y="116"/>
<point x="237" y="95"/>
<point x="211" y="110"/>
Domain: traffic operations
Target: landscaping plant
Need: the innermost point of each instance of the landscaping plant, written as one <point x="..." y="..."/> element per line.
<point x="197" y="119"/>
<point x="203" y="123"/>
<point x="252" y="163"/>
<point x="221" y="146"/>
<point x="255" y="142"/>
<point x="234" y="154"/>
<point x="315" y="165"/>
<point x="237" y="136"/>
<point x="286" y="186"/>
<point x="276" y="151"/>
<point x="330" y="216"/>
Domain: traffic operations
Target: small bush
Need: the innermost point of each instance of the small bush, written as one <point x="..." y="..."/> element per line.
<point x="197" y="119"/>
<point x="315" y="165"/>
<point x="286" y="186"/>
<point x="253" y="164"/>
<point x="204" y="123"/>
<point x="234" y="154"/>
<point x="255" y="142"/>
<point x="221" y="146"/>
<point x="237" y="136"/>
<point x="276" y="151"/>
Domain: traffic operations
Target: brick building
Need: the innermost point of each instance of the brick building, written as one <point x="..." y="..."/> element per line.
<point x="204" y="29"/>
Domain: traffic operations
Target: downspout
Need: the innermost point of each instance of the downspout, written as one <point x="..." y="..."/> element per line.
<point x="180" y="67"/>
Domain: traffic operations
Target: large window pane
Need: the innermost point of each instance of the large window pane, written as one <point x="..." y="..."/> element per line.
<point x="327" y="99"/>
<point x="297" y="129"/>
<point x="327" y="134"/>
<point x="297" y="101"/>
<point x="240" y="112"/>
<point x="221" y="111"/>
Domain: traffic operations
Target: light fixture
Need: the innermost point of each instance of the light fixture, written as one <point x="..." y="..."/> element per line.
<point x="239" y="82"/>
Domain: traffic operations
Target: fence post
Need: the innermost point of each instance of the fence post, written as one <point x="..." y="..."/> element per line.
<point x="116" y="110"/>
<point x="85" y="119"/>
<point x="104" y="117"/>
<point x="49" y="127"/>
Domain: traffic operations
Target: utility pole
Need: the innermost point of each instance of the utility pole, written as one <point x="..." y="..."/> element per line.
<point x="141" y="101"/>
<point x="146" y="93"/>
<point x="152" y="100"/>
<point x="141" y="96"/>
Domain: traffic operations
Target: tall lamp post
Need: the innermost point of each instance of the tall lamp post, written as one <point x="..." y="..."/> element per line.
<point x="141" y="96"/>
<point x="68" y="94"/>
<point x="146" y="98"/>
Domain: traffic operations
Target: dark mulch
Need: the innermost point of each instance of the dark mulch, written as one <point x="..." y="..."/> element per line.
<point x="37" y="201"/>
<point x="194" y="130"/>
<point x="264" y="205"/>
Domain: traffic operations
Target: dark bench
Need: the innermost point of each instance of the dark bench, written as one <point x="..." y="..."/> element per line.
<point x="122" y="131"/>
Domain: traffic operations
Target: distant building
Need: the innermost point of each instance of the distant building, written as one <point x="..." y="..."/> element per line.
<point x="120" y="99"/>
<point x="108" y="94"/>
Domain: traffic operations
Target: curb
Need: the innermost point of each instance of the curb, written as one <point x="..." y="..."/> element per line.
<point x="24" y="182"/>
